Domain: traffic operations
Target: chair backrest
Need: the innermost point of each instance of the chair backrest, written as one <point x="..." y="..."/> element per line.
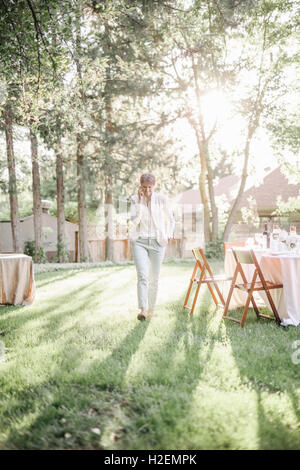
<point x="229" y="245"/>
<point x="243" y="256"/>
<point x="201" y="259"/>
<point x="198" y="254"/>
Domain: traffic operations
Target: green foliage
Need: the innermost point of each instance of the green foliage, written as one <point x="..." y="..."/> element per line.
<point x="120" y="74"/>
<point x="62" y="252"/>
<point x="215" y="250"/>
<point x="71" y="211"/>
<point x="291" y="207"/>
<point x="29" y="249"/>
<point x="250" y="214"/>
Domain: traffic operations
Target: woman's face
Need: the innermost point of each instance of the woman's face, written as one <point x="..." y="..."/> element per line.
<point x="147" y="189"/>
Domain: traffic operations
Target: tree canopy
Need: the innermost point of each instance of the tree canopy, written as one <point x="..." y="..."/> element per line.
<point x="111" y="88"/>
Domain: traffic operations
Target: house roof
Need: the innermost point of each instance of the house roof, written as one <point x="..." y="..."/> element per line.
<point x="274" y="184"/>
<point x="28" y="217"/>
<point x="191" y="196"/>
<point x="226" y="186"/>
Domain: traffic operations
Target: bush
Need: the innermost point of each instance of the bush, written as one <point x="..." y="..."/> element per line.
<point x="29" y="250"/>
<point x="62" y="252"/>
<point x="71" y="212"/>
<point x="214" y="250"/>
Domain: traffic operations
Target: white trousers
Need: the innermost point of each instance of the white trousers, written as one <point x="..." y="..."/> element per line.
<point x="146" y="251"/>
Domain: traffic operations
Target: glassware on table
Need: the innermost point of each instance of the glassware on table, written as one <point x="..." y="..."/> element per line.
<point x="267" y="236"/>
<point x="282" y="239"/>
<point x="259" y="238"/>
<point x="292" y="242"/>
<point x="275" y="232"/>
<point x="250" y="242"/>
<point x="298" y="245"/>
<point x="275" y="244"/>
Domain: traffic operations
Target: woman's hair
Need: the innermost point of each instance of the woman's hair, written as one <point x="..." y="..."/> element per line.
<point x="147" y="178"/>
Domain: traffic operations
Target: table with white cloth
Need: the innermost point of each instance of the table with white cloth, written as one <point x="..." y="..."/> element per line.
<point x="281" y="267"/>
<point x="17" y="286"/>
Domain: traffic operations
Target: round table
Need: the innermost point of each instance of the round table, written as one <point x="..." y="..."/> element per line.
<point x="285" y="268"/>
<point x="280" y="267"/>
<point x="17" y="286"/>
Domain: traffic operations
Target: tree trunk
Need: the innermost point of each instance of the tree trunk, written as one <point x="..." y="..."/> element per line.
<point x="109" y="227"/>
<point x="62" y="255"/>
<point x="36" y="193"/>
<point x="82" y="219"/>
<point x="202" y="187"/>
<point x="12" y="182"/>
<point x="206" y="211"/>
<point x="238" y="199"/>
<point x="214" y="209"/>
<point x="109" y="223"/>
<point x="202" y="142"/>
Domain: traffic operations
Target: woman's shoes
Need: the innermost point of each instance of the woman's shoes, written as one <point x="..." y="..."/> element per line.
<point x="141" y="316"/>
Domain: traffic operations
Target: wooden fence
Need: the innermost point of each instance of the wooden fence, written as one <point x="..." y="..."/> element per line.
<point x="123" y="252"/>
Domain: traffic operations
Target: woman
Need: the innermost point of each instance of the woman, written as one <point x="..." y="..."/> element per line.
<point x="152" y="224"/>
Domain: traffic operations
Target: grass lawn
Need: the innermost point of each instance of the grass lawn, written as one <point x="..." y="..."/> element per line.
<point x="81" y="372"/>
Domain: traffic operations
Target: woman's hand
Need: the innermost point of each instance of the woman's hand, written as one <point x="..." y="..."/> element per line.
<point x="140" y="193"/>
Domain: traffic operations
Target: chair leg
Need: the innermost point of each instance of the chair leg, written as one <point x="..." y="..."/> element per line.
<point x="188" y="294"/>
<point x="255" y="306"/>
<point x="230" y="293"/>
<point x="227" y="302"/>
<point x="219" y="293"/>
<point x="249" y="298"/>
<point x="202" y="275"/>
<point x="195" y="298"/>
<point x="212" y="293"/>
<point x="213" y="282"/>
<point x="274" y="309"/>
<point x="190" y="286"/>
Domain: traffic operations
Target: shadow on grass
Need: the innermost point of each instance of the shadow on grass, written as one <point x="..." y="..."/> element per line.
<point x="91" y="398"/>
<point x="16" y="323"/>
<point x="169" y="379"/>
<point x="87" y="392"/>
<point x="77" y="386"/>
<point x="57" y="276"/>
<point x="263" y="358"/>
<point x="13" y="323"/>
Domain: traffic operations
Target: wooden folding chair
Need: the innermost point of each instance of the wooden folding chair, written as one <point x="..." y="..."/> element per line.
<point x="257" y="283"/>
<point x="205" y="276"/>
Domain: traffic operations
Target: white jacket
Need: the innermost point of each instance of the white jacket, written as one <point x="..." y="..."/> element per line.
<point x="163" y="217"/>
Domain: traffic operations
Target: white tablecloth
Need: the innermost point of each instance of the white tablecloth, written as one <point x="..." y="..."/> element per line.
<point x="17" y="285"/>
<point x="281" y="268"/>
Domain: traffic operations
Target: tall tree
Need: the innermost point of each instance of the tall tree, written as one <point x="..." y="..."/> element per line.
<point x="271" y="26"/>
<point x="7" y="114"/>
<point x="127" y="38"/>
<point x="201" y="60"/>
<point x="80" y="143"/>
<point x="36" y="192"/>
<point x="27" y="57"/>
